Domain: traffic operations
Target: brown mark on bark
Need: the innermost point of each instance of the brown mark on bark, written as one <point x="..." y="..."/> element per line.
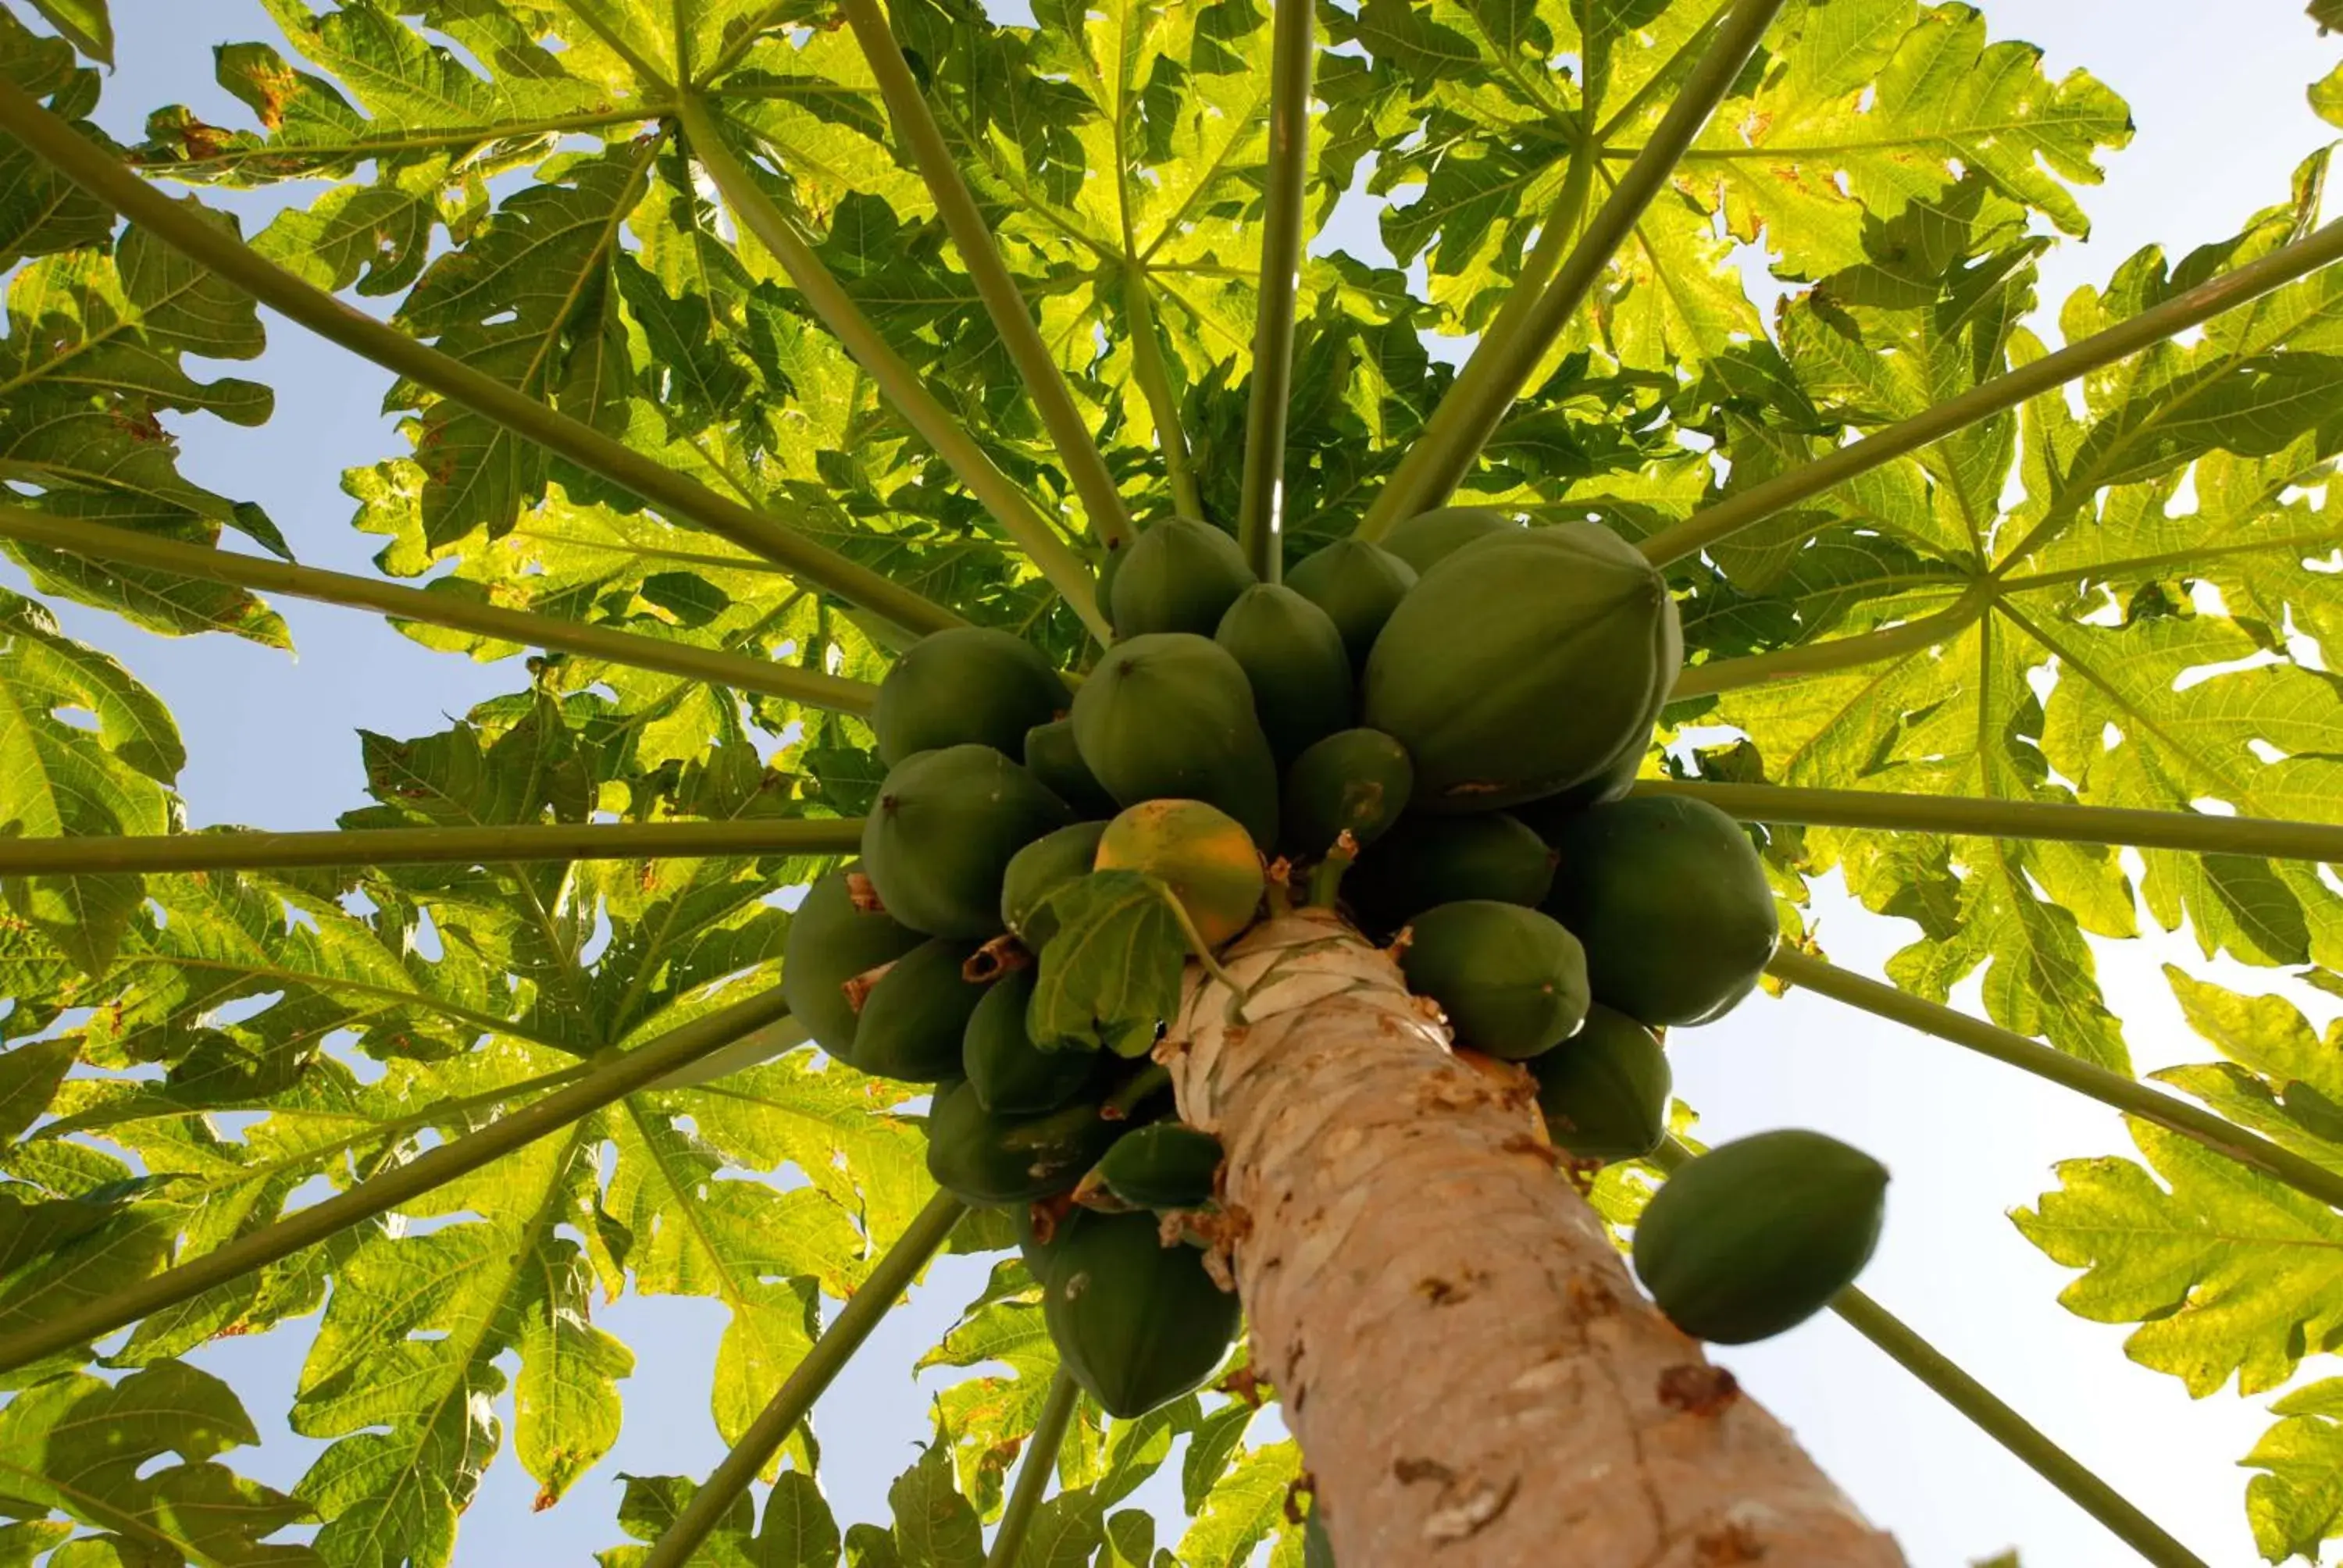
<point x="1479" y="1429"/>
<point x="1698" y="1389"/>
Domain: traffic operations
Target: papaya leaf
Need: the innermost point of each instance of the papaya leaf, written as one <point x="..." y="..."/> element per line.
<point x="2225" y="1271"/>
<point x="76" y="1446"/>
<point x="2297" y="1502"/>
<point x="798" y="1530"/>
<point x="1110" y="973"/>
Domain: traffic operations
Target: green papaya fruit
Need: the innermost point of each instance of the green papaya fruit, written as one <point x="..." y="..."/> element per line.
<point x="829" y="942"/>
<point x="1358" y="585"/>
<point x="1041" y="869"/>
<point x="913" y="1018"/>
<point x="1426" y="860"/>
<point x="1604" y="1091"/>
<point x="1511" y="981"/>
<point x="941" y="834"/>
<point x="1168" y="717"/>
<point x="969" y="684"/>
<point x="1180" y="574"/>
<point x="1293" y="658"/>
<point x="1355" y="781"/>
<point x="988" y="1159"/>
<point x="1671" y="899"/>
<point x="1051" y="756"/>
<point x="1037" y="1240"/>
<point x="1009" y="1075"/>
<point x="1200" y="852"/>
<point x="1163" y="1165"/>
<point x="1432" y="536"/>
<point x="1518" y="668"/>
<point x="1758" y="1235"/>
<point x="1317" y="1548"/>
<point x="1137" y="1324"/>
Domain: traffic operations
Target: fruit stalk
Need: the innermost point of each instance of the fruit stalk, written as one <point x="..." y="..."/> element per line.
<point x="1469" y="1392"/>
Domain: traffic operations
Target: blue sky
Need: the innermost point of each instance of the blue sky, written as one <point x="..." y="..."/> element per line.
<point x="2218" y="93"/>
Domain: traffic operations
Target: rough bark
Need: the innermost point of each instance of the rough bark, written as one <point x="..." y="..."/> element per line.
<point x="1474" y="1380"/>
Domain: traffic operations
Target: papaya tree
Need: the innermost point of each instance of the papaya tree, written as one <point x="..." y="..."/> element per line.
<point x="1057" y="728"/>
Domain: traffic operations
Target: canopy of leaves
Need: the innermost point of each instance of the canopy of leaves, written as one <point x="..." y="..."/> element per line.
<point x="2134" y="582"/>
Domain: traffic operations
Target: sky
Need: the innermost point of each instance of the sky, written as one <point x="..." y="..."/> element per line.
<point x="2217" y="91"/>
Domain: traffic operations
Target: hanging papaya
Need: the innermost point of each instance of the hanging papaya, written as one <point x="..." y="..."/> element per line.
<point x="1180" y="574"/>
<point x="1604" y="1091"/>
<point x="988" y="1159"/>
<point x="1354" y="781"/>
<point x="829" y="942"/>
<point x="1051" y="756"/>
<point x="1165" y="1165"/>
<point x="1202" y="853"/>
<point x="1041" y="869"/>
<point x="1009" y="1075"/>
<point x="1137" y="1324"/>
<point x="969" y="684"/>
<point x="1293" y="658"/>
<point x="1317" y="1548"/>
<point x="1358" y="585"/>
<point x="914" y="1015"/>
<point x="1432" y="536"/>
<point x="1511" y="981"/>
<point x="1519" y="667"/>
<point x="1758" y="1235"/>
<point x="1671" y="899"/>
<point x="1426" y="860"/>
<point x="941" y="834"/>
<point x="1168" y="717"/>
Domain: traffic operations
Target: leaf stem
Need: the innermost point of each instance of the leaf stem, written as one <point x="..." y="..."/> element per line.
<point x="2024" y="1441"/>
<point x="761" y="215"/>
<point x="260" y="852"/>
<point x="426" y="608"/>
<point x="989" y="270"/>
<point x="1500" y="368"/>
<point x="1033" y="1475"/>
<point x="2190" y="308"/>
<point x="890" y="1277"/>
<point x="204" y="238"/>
<point x="1147" y="369"/>
<point x="2250" y="1150"/>
<point x="2300" y="544"/>
<point x="1828" y="657"/>
<point x="1292" y="60"/>
<point x="2191" y="832"/>
<point x="1198" y="948"/>
<point x="432" y="1168"/>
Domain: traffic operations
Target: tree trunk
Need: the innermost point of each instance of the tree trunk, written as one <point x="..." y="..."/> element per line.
<point x="1474" y="1380"/>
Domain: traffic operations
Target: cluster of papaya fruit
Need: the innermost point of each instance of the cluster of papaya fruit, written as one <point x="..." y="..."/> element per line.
<point x="1435" y="734"/>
